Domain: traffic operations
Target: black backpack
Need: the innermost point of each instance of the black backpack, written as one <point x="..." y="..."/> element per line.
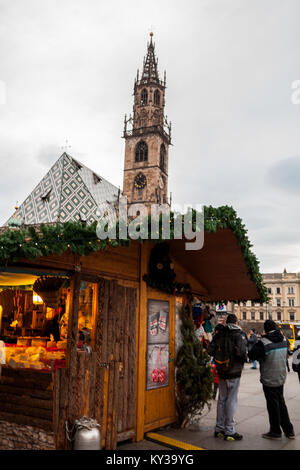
<point x="296" y="359"/>
<point x="224" y="351"/>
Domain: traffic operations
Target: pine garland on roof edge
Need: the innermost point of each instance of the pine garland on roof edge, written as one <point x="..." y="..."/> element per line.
<point x="79" y="238"/>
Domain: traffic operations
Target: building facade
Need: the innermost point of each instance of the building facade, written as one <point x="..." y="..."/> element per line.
<point x="284" y="293"/>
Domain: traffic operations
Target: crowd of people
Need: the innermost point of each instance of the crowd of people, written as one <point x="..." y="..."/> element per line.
<point x="230" y="348"/>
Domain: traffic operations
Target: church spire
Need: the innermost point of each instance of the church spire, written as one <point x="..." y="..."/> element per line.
<point x="150" y="70"/>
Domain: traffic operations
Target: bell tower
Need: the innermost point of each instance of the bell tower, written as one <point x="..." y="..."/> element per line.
<point x="147" y="137"/>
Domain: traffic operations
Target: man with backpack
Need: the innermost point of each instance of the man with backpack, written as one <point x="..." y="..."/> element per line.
<point x="229" y="352"/>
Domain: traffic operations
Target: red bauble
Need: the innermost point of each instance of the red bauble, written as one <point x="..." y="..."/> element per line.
<point x="155" y="375"/>
<point x="162" y="375"/>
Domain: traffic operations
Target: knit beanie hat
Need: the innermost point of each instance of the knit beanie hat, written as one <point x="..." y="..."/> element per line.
<point x="270" y="325"/>
<point x="232" y="318"/>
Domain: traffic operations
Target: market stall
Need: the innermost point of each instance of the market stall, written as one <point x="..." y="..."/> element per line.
<point x="114" y="358"/>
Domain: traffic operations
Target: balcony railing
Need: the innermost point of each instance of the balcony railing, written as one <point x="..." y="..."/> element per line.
<point x="147" y="130"/>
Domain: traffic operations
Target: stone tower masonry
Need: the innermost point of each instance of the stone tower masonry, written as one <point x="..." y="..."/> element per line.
<point x="147" y="138"/>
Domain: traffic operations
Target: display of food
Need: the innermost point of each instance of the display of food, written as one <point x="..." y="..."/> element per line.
<point x="29" y="325"/>
<point x="39" y="341"/>
<point x="32" y="357"/>
<point x="24" y="341"/>
<point x="25" y="357"/>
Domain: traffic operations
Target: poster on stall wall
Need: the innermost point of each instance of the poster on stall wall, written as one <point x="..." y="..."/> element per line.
<point x="157" y="344"/>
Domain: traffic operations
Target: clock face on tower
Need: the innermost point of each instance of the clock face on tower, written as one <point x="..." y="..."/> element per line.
<point x="140" y="181"/>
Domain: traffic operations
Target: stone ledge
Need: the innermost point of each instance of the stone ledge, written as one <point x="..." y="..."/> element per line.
<point x="20" y="437"/>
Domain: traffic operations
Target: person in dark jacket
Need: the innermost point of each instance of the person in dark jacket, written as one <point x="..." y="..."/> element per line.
<point x="251" y="342"/>
<point x="271" y="352"/>
<point x="51" y="327"/>
<point x="229" y="381"/>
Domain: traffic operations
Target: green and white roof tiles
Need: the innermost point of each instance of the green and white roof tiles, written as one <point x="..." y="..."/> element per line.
<point x="68" y="192"/>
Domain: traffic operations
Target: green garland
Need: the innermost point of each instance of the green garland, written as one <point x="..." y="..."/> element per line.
<point x="30" y="243"/>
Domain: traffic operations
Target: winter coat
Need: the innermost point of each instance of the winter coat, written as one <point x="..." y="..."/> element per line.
<point x="239" y="350"/>
<point x="296" y="356"/>
<point x="252" y="341"/>
<point x="271" y="352"/>
<point x="245" y="337"/>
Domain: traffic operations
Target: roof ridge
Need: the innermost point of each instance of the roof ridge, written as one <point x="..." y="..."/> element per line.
<point x="61" y="185"/>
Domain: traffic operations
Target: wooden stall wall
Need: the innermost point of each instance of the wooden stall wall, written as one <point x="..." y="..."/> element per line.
<point x="115" y="347"/>
<point x="101" y="385"/>
<point x="26" y="398"/>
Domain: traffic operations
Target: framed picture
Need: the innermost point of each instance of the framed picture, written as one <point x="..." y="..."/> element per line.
<point x="157" y="366"/>
<point x="157" y="344"/>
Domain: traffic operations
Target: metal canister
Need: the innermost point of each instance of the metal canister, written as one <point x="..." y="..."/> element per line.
<point x="87" y="434"/>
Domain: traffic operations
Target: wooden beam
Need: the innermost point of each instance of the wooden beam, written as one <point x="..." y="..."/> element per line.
<point x="72" y="344"/>
<point x="142" y="344"/>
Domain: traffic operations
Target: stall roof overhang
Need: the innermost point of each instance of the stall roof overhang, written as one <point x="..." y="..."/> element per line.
<point x="13" y="276"/>
<point x="219" y="266"/>
<point x="224" y="269"/>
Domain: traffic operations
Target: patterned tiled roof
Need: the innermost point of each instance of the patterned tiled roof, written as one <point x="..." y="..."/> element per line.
<point x="68" y="192"/>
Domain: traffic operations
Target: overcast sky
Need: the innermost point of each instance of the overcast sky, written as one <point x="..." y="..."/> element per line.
<point x="68" y="67"/>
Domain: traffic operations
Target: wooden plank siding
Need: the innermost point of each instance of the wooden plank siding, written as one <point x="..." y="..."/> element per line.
<point x="101" y="385"/>
<point x="26" y="397"/>
<point x="116" y="339"/>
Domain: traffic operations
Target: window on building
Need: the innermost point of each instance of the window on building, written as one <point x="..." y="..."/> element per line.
<point x="290" y="290"/>
<point x="292" y="316"/>
<point x="141" y="152"/>
<point x="244" y="315"/>
<point x="162" y="160"/>
<point x="157" y="98"/>
<point x="278" y="316"/>
<point x="252" y="315"/>
<point x="291" y="302"/>
<point x="261" y="315"/>
<point x="278" y="302"/>
<point x="144" y="96"/>
<point x="269" y="290"/>
<point x="277" y="290"/>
